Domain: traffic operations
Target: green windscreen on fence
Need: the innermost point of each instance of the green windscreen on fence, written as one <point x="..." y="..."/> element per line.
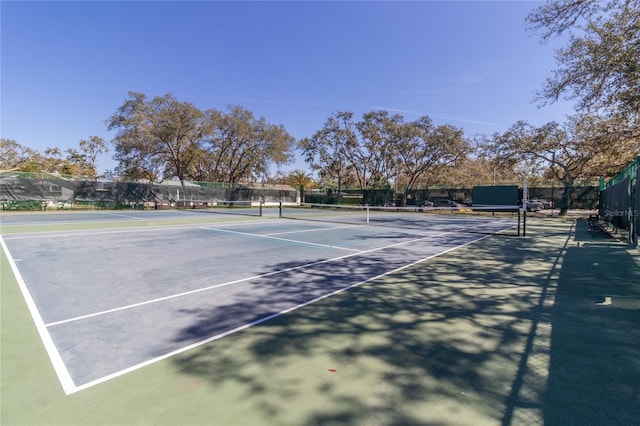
<point x="500" y="195"/>
<point x="620" y="201"/>
<point x="38" y="191"/>
<point x="637" y="200"/>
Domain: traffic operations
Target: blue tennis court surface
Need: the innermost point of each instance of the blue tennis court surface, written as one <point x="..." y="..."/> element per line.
<point x="110" y="301"/>
<point x="64" y="217"/>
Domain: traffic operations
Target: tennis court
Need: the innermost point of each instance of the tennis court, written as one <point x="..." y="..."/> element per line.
<point x="173" y="317"/>
<point x="111" y="299"/>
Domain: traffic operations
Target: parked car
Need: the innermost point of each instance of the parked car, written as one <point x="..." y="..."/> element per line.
<point x="533" y="206"/>
<point x="546" y="204"/>
<point x="446" y="203"/>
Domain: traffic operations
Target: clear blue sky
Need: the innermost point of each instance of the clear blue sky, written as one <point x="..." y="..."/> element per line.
<point x="67" y="66"/>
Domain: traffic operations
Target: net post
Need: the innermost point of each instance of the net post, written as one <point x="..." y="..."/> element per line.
<point x="367" y="206"/>
<point x="280" y="210"/>
<point x="518" y="222"/>
<point x="260" y="211"/>
<point x="525" y="199"/>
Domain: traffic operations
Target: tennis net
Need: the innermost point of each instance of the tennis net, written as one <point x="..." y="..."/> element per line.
<point x="233" y="207"/>
<point x="504" y="220"/>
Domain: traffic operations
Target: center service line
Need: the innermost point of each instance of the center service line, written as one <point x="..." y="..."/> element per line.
<point x="270" y="237"/>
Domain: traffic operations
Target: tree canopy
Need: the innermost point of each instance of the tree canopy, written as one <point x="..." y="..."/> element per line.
<point x="156" y="138"/>
<point x="13" y="155"/>
<point x="381" y="148"/>
<point x="163" y="138"/>
<point x="600" y="65"/>
<point x="239" y="146"/>
<point x="300" y="180"/>
<point x="577" y="149"/>
<point x="77" y="162"/>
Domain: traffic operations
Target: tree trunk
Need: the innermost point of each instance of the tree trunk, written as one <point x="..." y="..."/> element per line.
<point x="565" y="202"/>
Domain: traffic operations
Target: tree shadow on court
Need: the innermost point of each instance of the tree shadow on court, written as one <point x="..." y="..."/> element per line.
<point x="594" y="374"/>
<point x="441" y="342"/>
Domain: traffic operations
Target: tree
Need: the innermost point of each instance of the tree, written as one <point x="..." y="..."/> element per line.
<point x="301" y="180"/>
<point x="381" y="147"/>
<point x="612" y="145"/>
<point x="13" y="155"/>
<point x="74" y="164"/>
<point x="70" y="162"/>
<point x="361" y="153"/>
<point x="157" y="138"/>
<point x="600" y="66"/>
<point x="374" y="158"/>
<point x="328" y="150"/>
<point x="53" y="162"/>
<point x="470" y="171"/>
<point x="424" y="151"/>
<point x="567" y="152"/>
<point x="91" y="149"/>
<point x="239" y="146"/>
<point x="492" y="166"/>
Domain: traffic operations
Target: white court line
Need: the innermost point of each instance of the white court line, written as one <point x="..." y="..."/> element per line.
<point x="54" y="234"/>
<point x="286" y="240"/>
<point x="154" y="228"/>
<point x="263" y="319"/>
<point x="64" y="222"/>
<point x="67" y="382"/>
<point x="88" y="221"/>
<point x="301" y="231"/>
<point x="125" y="215"/>
<point x="199" y="290"/>
<point x="56" y="360"/>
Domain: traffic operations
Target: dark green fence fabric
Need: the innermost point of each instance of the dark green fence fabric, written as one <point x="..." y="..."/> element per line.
<point x="620" y="201"/>
<point x="37" y="189"/>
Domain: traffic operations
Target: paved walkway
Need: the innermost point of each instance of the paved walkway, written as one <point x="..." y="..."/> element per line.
<point x="594" y="375"/>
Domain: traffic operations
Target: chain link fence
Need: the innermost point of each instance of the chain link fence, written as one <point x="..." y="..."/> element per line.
<point x="43" y="191"/>
<point x="583" y="197"/>
<point x="620" y="201"/>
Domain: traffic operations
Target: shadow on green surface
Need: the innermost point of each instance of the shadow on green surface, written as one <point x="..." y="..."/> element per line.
<point x="456" y="341"/>
<point x="594" y="376"/>
<point x="439" y="343"/>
